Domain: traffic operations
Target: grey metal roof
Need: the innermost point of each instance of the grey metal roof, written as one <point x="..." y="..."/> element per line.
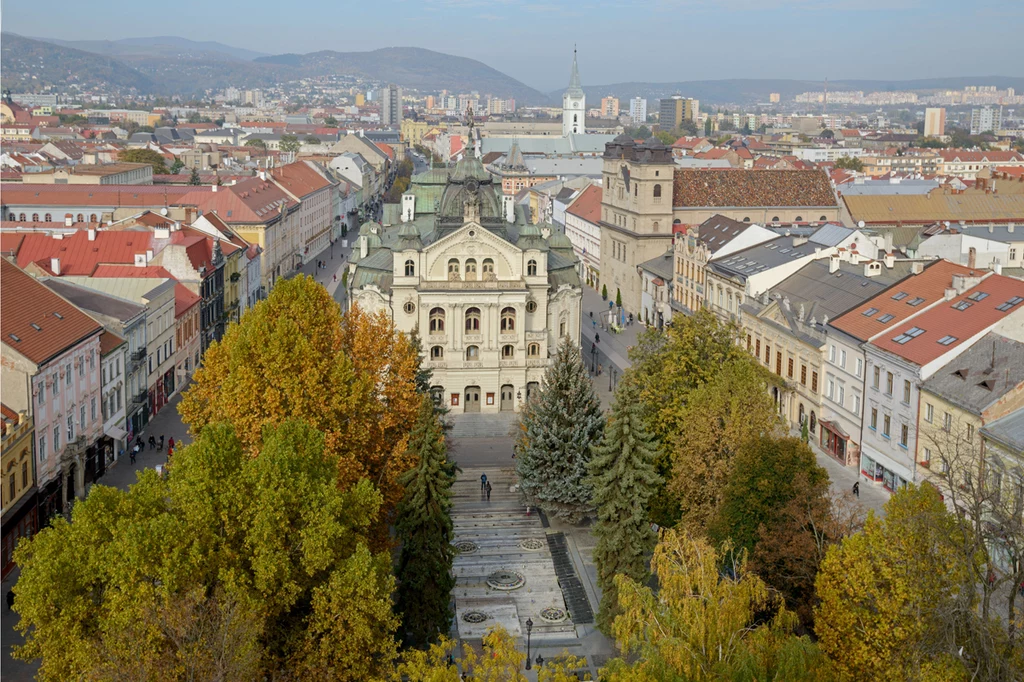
<point x="762" y="257"/>
<point x="1008" y="431"/>
<point x="690" y="162"/>
<point x="981" y="375"/>
<point x="997" y="233"/>
<point x="830" y="234"/>
<point x="876" y="187"/>
<point x="830" y="294"/>
<point x="717" y="231"/>
<point x="95" y="301"/>
<point x="660" y="266"/>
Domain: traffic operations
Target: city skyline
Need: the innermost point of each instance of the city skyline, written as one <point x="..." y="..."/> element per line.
<point x="538" y="52"/>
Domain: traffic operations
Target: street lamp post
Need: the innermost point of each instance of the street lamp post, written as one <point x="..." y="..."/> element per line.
<point x="529" y="629"/>
<point x="611" y="373"/>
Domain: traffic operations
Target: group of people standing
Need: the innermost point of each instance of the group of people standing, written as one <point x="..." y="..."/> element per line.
<point x="140" y="445"/>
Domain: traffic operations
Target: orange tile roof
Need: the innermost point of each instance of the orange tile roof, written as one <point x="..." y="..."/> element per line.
<point x="109" y="341"/>
<point x="299" y="179"/>
<point x="930" y="285"/>
<point x="28" y="194"/>
<point x="184" y="299"/>
<point x="251" y="201"/>
<point x="78" y="255"/>
<point x="146" y="271"/>
<point x="588" y="204"/>
<point x="953" y="325"/>
<point x="36" y="322"/>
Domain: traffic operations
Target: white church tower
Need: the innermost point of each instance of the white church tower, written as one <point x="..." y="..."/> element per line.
<point x="574" y="104"/>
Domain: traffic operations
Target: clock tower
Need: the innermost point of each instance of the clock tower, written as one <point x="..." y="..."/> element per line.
<point x="574" y="104"/>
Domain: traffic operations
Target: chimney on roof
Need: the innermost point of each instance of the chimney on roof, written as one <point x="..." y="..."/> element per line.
<point x="262" y="174"/>
<point x="833" y="264"/>
<point x="949" y="294"/>
<point x="55" y="265"/>
<point x="213" y="188"/>
<point x="991" y="227"/>
<point x="92" y="234"/>
<point x="149" y="255"/>
<point x="1010" y="225"/>
<point x="997" y="267"/>
<point x="972" y="255"/>
<point x="890" y="259"/>
<point x="917" y="267"/>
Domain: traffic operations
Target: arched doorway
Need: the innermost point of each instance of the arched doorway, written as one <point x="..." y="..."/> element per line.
<point x="508" y="398"/>
<point x="472" y="399"/>
<point x="531" y="389"/>
<point x="814" y="421"/>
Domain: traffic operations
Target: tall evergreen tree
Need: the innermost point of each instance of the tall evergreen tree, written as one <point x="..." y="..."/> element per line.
<point x="557" y="429"/>
<point x="193" y="178"/>
<point x="624" y="478"/>
<point x="424" y="528"/>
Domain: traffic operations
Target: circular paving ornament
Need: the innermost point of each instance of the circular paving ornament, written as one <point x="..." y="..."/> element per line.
<point x="465" y="547"/>
<point x="505" y="580"/>
<point x="474" y="617"/>
<point x="553" y="614"/>
<point x="532" y="544"/>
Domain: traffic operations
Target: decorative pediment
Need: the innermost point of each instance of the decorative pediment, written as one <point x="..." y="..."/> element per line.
<point x="472" y="241"/>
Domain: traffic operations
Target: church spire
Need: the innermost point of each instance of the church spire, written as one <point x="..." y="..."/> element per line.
<point x="575" y="87"/>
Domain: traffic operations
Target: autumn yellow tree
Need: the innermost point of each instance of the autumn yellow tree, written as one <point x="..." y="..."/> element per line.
<point x="706" y="622"/>
<point x="294" y="356"/>
<point x="891" y="595"/>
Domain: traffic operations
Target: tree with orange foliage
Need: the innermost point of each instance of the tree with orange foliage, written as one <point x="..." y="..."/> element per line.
<point x="294" y="356"/>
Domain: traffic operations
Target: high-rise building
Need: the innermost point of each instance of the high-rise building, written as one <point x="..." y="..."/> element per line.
<point x="934" y="122"/>
<point x="391" y="106"/>
<point x="610" y="107"/>
<point x="638" y="110"/>
<point x="985" y="119"/>
<point x="675" y="110"/>
<point x="360" y="99"/>
<point x="774" y="97"/>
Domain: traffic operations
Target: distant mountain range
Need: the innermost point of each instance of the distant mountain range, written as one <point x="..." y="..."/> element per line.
<point x="738" y="90"/>
<point x="170" y="65"/>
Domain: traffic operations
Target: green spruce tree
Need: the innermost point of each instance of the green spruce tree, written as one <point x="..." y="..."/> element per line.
<point x="604" y="291"/>
<point x="193" y="178"/>
<point x="624" y="478"/>
<point x="557" y="429"/>
<point x="618" y="298"/>
<point x="424" y="528"/>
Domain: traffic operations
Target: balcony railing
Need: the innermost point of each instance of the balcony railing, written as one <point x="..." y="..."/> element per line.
<point x="141" y="397"/>
<point x="138" y="356"/>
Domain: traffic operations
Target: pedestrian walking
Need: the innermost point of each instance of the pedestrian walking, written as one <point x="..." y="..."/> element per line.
<point x="483" y="482"/>
<point x="631" y="319"/>
<point x="597" y="338"/>
<point x="335" y="277"/>
<point x="600" y="368"/>
<point x="856" y="489"/>
<point x="134" y="453"/>
<point x="10" y="599"/>
<point x="594" y="323"/>
<point x="152" y="442"/>
<point x="161" y="442"/>
<point x="170" y="444"/>
<point x="488" y="491"/>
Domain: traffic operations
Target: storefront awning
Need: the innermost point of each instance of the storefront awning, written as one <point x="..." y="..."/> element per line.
<point x="834" y="428"/>
<point x="115" y="432"/>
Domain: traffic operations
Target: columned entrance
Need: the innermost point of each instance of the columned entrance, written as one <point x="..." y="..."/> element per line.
<point x="472" y="399"/>
<point x="508" y="400"/>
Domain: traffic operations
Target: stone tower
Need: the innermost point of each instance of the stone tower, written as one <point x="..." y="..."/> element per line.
<point x="574" y="103"/>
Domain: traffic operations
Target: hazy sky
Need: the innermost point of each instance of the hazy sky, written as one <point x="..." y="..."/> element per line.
<point x="619" y="40"/>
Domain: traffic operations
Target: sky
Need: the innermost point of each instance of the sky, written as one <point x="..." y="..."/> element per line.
<point x="618" y="40"/>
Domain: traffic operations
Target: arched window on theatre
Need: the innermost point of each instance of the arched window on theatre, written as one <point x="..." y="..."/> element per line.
<point x="488" y="266"/>
<point x="531" y="268"/>
<point x="508" y="352"/>
<point x="472" y="353"/>
<point x="533" y="350"/>
<point x="436" y="320"/>
<point x="470" y="269"/>
<point x="473" y="320"/>
<point x="436" y="353"/>
<point x="508" y="319"/>
<point x="453" y="266"/>
<point x="410" y="268"/>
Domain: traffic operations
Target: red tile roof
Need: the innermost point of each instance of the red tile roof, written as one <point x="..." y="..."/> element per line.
<point x="184" y="299"/>
<point x="751" y="188"/>
<point x="147" y="271"/>
<point x="78" y="255"/>
<point x="386" y="148"/>
<point x="29" y="194"/>
<point x="299" y="179"/>
<point x="588" y="204"/>
<point x="251" y="201"/>
<point x="930" y="285"/>
<point x="109" y="341"/>
<point x="992" y="156"/>
<point x="952" y="325"/>
<point x="36" y="322"/>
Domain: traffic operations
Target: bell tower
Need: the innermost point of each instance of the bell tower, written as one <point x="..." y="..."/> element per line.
<point x="574" y="103"/>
